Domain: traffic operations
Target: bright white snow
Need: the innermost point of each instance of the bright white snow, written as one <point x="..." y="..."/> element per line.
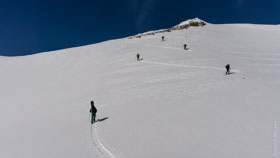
<point x="174" y="103"/>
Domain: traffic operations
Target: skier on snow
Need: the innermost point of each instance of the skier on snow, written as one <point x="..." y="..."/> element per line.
<point x="185" y="46"/>
<point x="162" y="38"/>
<point x="138" y="57"/>
<point x="228" y="69"/>
<point x="93" y="112"/>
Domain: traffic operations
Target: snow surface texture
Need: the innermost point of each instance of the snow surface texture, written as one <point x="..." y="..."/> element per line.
<point x="173" y="103"/>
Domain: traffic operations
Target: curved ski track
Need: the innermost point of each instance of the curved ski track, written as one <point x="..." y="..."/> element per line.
<point x="103" y="151"/>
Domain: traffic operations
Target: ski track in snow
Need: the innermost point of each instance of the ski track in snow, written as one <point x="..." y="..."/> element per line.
<point x="188" y="87"/>
<point x="104" y="152"/>
<point x="188" y="66"/>
<point x="166" y="47"/>
<point x="177" y="37"/>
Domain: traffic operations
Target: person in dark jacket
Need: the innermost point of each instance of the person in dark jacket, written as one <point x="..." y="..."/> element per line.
<point x="228" y="69"/>
<point x="185" y="46"/>
<point x="93" y="112"/>
<point x="138" y="57"/>
<point x="162" y="38"/>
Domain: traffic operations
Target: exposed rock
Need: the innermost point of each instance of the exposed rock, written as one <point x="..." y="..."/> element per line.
<point x="196" y="22"/>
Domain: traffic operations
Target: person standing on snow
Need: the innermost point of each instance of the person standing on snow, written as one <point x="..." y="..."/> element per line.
<point x="185" y="46"/>
<point x="162" y="38"/>
<point x="93" y="112"/>
<point x="228" y="69"/>
<point x="138" y="57"/>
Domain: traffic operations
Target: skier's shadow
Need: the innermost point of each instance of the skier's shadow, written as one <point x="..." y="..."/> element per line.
<point x="103" y="119"/>
<point x="230" y="73"/>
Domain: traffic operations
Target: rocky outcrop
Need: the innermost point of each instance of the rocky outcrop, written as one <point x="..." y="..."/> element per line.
<point x="183" y="25"/>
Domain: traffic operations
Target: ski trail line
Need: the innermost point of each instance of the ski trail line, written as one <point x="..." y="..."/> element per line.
<point x="92" y="140"/>
<point x="177" y="37"/>
<point x="188" y="66"/>
<point x="163" y="47"/>
<point x="100" y="147"/>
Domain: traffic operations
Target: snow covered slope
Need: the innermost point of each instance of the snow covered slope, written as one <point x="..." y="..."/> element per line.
<point x="174" y="103"/>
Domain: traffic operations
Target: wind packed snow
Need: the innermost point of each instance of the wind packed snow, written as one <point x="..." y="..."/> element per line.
<point x="174" y="103"/>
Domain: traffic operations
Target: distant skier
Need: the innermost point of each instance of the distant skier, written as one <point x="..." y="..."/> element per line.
<point x="138" y="57"/>
<point x="185" y="46"/>
<point x="228" y="69"/>
<point x="93" y="112"/>
<point x="162" y="38"/>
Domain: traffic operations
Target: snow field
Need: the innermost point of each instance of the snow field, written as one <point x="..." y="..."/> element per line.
<point x="174" y="103"/>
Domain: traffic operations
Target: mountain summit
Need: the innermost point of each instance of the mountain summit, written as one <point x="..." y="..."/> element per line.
<point x="183" y="25"/>
<point x="190" y="22"/>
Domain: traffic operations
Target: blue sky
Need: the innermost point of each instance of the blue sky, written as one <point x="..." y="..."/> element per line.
<point x="32" y="26"/>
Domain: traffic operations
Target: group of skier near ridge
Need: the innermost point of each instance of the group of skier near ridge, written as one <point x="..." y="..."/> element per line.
<point x="93" y="110"/>
<point x="185" y="48"/>
<point x="162" y="39"/>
